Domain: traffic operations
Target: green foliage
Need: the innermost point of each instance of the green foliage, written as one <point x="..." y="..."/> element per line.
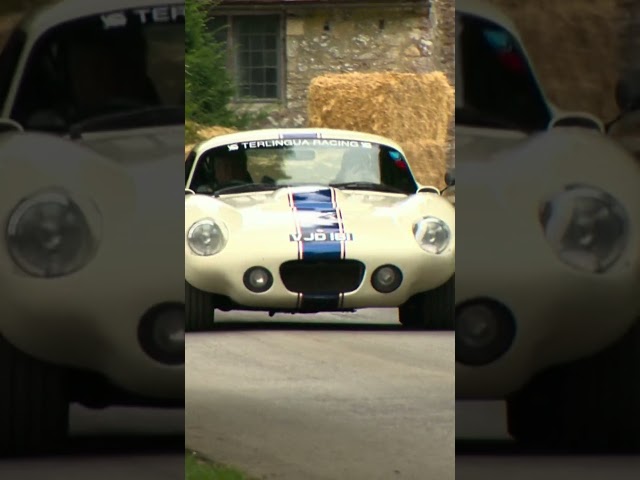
<point x="209" y="88"/>
<point x="197" y="468"/>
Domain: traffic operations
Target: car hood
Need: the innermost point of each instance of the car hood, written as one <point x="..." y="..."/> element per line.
<point x="505" y="194"/>
<point x="319" y="208"/>
<point x="480" y="144"/>
<point x="137" y="146"/>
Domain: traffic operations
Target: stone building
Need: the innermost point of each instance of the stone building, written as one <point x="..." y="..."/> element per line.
<point x="276" y="47"/>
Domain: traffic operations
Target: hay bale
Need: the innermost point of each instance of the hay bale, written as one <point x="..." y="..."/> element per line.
<point x="575" y="49"/>
<point x="402" y="106"/>
<point x="214" y="131"/>
<point x="428" y="160"/>
<point x="204" y="133"/>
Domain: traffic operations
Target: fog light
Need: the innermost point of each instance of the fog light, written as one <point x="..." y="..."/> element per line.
<point x="386" y="279"/>
<point x="161" y="333"/>
<point x="485" y="330"/>
<point x="258" y="279"/>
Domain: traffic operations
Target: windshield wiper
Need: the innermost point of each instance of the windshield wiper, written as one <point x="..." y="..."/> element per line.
<point x="152" y="116"/>
<point x="249" y="188"/>
<point x="376" y="187"/>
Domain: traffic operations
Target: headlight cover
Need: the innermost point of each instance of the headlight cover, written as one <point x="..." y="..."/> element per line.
<point x="586" y="227"/>
<point x="49" y="236"/>
<point x="432" y="234"/>
<point x="206" y="237"/>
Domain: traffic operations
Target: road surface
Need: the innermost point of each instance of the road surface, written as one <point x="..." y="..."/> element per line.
<point x="323" y="400"/>
<point x="113" y="444"/>
<point x="485" y="451"/>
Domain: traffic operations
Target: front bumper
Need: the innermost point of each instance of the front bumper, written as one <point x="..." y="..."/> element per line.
<point x="222" y="274"/>
<point x="561" y="315"/>
<point x="90" y="320"/>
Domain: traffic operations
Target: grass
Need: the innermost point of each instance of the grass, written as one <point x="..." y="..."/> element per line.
<point x="199" y="468"/>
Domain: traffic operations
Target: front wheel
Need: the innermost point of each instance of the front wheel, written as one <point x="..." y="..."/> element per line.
<point x="432" y="310"/>
<point x="593" y="403"/>
<point x="34" y="404"/>
<point x="200" y="309"/>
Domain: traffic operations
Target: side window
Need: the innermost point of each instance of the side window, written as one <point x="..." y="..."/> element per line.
<point x="395" y="170"/>
<point x="203" y="175"/>
<point x="42" y="89"/>
<point x="498" y="82"/>
<point x="9" y="58"/>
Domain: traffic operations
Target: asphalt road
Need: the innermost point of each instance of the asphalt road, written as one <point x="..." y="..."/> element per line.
<point x="323" y="398"/>
<point x="485" y="451"/>
<point x="117" y="443"/>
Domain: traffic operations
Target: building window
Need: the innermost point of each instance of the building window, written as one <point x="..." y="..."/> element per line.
<point x="254" y="44"/>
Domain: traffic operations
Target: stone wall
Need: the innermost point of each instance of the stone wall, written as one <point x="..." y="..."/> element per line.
<point x="444" y="38"/>
<point x="321" y="41"/>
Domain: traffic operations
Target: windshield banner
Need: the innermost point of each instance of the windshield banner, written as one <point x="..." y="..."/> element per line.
<point x="299" y="142"/>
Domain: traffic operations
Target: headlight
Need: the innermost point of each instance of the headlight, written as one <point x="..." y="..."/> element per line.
<point x="587" y="228"/>
<point x="206" y="238"/>
<point x="432" y="234"/>
<point x="48" y="235"/>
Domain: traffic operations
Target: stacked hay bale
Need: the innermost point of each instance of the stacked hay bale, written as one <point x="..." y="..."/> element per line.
<point x="414" y="110"/>
<point x="204" y="133"/>
<point x="575" y="48"/>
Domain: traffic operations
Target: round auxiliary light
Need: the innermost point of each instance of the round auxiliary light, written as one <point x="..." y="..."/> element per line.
<point x="161" y="333"/>
<point x="258" y="279"/>
<point x="386" y="279"/>
<point x="485" y="330"/>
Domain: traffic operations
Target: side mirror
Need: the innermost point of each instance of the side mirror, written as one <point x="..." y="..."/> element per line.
<point x="577" y="119"/>
<point x="429" y="190"/>
<point x="8" y="125"/>
<point x="450" y="179"/>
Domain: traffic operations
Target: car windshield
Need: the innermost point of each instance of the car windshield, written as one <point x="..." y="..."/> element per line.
<point x="105" y="66"/>
<point x="495" y="85"/>
<point x="271" y="164"/>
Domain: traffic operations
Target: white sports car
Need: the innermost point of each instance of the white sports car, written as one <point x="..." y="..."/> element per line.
<point x="549" y="269"/>
<point x="313" y="220"/>
<point x="92" y="303"/>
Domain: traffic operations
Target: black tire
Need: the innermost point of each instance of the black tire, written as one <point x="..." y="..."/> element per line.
<point x="34" y="404"/>
<point x="589" y="405"/>
<point x="200" y="309"/>
<point x="432" y="310"/>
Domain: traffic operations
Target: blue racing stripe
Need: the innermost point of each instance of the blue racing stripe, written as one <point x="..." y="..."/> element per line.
<point x="319" y="216"/>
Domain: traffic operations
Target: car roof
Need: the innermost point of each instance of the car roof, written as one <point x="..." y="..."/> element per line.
<point x="61" y="11"/>
<point x="488" y="11"/>
<point x="273" y="133"/>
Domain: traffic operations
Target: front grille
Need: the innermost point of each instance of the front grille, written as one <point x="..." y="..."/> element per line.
<point x="322" y="276"/>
